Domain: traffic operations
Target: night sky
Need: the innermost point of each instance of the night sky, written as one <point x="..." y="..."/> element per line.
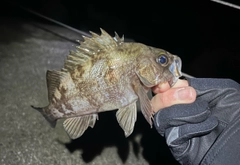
<point x="204" y="34"/>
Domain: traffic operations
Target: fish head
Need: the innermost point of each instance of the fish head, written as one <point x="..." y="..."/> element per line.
<point x="158" y="66"/>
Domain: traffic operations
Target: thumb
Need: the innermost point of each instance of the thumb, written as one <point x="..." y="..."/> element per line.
<point x="183" y="95"/>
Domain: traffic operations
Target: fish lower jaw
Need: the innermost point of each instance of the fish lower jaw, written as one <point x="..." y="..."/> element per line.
<point x="172" y="82"/>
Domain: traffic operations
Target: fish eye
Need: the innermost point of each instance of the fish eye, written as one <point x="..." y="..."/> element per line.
<point x="162" y="59"/>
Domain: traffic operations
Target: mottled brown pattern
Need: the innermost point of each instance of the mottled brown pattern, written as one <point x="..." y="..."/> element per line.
<point x="111" y="77"/>
<point x="106" y="74"/>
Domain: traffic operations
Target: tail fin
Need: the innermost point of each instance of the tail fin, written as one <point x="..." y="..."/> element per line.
<point x="49" y="118"/>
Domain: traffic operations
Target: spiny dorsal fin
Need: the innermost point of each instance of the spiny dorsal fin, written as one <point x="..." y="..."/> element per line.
<point x="118" y="39"/>
<point x="57" y="80"/>
<point x="91" y="47"/>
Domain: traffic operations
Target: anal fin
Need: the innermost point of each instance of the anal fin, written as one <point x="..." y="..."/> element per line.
<point x="127" y="117"/>
<point x="76" y="126"/>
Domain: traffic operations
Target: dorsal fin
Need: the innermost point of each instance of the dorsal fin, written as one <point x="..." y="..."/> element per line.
<point x="118" y="39"/>
<point x="91" y="47"/>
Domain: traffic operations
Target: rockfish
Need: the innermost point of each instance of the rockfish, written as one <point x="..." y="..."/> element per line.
<point x="103" y="74"/>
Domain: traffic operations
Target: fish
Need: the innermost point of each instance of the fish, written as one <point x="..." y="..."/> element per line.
<point x="106" y="73"/>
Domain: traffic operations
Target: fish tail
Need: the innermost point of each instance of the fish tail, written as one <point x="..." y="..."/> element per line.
<point x="50" y="119"/>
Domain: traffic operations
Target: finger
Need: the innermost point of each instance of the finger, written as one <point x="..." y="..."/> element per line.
<point x="181" y="83"/>
<point x="162" y="87"/>
<point x="182" y="95"/>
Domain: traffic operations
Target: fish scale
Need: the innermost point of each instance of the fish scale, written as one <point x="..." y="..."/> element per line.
<point x="103" y="74"/>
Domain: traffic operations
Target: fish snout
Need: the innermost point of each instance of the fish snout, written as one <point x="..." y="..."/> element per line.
<point x="175" y="69"/>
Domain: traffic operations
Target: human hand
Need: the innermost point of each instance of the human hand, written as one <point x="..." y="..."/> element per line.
<point x="201" y="132"/>
<point x="180" y="93"/>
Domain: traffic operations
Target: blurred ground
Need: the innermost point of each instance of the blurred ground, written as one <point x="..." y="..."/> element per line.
<point x="29" y="48"/>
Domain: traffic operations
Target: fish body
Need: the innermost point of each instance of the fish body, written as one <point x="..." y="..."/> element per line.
<point x="104" y="74"/>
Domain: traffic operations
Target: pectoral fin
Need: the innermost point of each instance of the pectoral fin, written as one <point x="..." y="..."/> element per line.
<point x="145" y="103"/>
<point x="127" y="117"/>
<point x="76" y="126"/>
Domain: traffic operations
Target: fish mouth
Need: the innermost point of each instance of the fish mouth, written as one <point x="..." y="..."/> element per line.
<point x="173" y="81"/>
<point x="175" y="69"/>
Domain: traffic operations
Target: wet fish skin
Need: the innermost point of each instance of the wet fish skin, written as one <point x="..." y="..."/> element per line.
<point x="104" y="74"/>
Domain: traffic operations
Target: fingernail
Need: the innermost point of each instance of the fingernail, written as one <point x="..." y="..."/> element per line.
<point x="184" y="94"/>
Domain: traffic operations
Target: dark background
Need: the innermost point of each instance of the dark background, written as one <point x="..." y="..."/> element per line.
<point x="203" y="33"/>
